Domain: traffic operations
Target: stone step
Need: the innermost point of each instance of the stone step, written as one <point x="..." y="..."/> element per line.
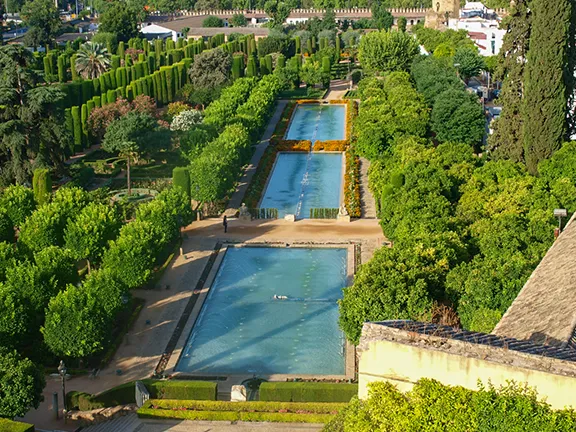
<point x="128" y="423"/>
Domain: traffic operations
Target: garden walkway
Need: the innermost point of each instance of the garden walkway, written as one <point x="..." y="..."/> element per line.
<point x="236" y="200"/>
<point x="368" y="203"/>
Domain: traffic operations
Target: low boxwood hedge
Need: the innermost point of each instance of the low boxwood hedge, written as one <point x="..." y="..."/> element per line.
<point x="241" y="411"/>
<point x="234" y="416"/>
<point x="159" y="389"/>
<point x="307" y="391"/>
<point x="252" y="406"/>
<point x="14" y="426"/>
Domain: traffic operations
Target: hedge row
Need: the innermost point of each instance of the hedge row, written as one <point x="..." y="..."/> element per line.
<point x="7" y="425"/>
<point x="233" y="416"/>
<point x="241" y="411"/>
<point x="158" y="389"/>
<point x="253" y="406"/>
<point x="307" y="392"/>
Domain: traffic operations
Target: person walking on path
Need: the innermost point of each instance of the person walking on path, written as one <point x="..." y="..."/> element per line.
<point x="225" y="223"/>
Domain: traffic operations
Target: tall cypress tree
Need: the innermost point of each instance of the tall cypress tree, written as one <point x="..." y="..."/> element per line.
<point x="507" y="142"/>
<point x="570" y="79"/>
<point x="545" y="103"/>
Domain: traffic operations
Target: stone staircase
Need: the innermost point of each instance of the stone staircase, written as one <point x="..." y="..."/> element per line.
<point x="367" y="200"/>
<point x="128" y="423"/>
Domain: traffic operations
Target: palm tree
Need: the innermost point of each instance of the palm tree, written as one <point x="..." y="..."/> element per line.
<point x="92" y="60"/>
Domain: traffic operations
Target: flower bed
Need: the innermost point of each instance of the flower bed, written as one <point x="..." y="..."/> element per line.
<point x="352" y="185"/>
<point x="331" y="145"/>
<point x="241" y="411"/>
<point x="282" y="125"/>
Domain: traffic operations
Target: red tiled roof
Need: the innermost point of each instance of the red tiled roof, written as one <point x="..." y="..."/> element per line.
<point x="477" y="35"/>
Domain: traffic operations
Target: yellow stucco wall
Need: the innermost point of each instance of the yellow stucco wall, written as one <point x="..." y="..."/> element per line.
<point x="403" y="365"/>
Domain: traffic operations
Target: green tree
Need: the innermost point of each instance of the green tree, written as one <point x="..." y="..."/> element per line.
<point x="278" y="11"/>
<point x="43" y="21"/>
<point x="18" y="201"/>
<point x="87" y="236"/>
<point x="382" y="19"/>
<point x="42" y="183"/>
<point x="32" y="126"/>
<point x="92" y="60"/>
<point x="431" y="405"/>
<point x="212" y="21"/>
<point x="79" y="320"/>
<point x="545" y="103"/>
<point x="387" y="51"/>
<point x="239" y="20"/>
<point x="132" y="135"/>
<point x="397" y="283"/>
<point x="470" y="62"/>
<point x="120" y="20"/>
<point x="21" y="384"/>
<point x="457" y="116"/>
<point x="311" y="73"/>
<point x="402" y="21"/>
<point x="211" y="71"/>
<point x="130" y="258"/>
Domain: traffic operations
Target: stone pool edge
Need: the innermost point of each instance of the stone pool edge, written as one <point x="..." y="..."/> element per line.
<point x="350" y="355"/>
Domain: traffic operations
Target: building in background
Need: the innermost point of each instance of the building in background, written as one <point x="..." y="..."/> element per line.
<point x="483" y="26"/>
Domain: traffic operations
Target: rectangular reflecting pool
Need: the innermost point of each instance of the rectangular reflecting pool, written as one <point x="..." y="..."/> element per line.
<point x="301" y="181"/>
<point x="242" y="329"/>
<point x="316" y="122"/>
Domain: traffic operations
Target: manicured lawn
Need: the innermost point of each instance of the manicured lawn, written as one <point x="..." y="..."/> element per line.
<point x="160" y="165"/>
<point x="302" y="93"/>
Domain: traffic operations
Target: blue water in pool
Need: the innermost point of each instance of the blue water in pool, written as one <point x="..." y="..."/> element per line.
<point x="301" y="181"/>
<point x="243" y="330"/>
<point x="318" y="122"/>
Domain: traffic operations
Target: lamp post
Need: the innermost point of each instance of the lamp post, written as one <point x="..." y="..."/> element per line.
<point x="62" y="372"/>
<point x="560" y="213"/>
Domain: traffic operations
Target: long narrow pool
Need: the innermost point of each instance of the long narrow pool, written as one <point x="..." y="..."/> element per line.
<point x="301" y="181"/>
<point x="316" y="122"/>
<point x="242" y="329"/>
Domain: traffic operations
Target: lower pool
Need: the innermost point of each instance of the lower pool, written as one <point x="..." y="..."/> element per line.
<point x="242" y="329"/>
<point x="317" y="122"/>
<point x="301" y="181"/>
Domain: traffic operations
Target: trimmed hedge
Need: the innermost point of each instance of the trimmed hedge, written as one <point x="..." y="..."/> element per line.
<point x="307" y="392"/>
<point x="241" y="411"/>
<point x="7" y="425"/>
<point x="181" y="178"/>
<point x="159" y="389"/>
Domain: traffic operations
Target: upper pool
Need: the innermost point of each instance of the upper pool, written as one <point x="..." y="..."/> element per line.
<point x="318" y="122"/>
<point x="301" y="181"/>
<point x="242" y="329"/>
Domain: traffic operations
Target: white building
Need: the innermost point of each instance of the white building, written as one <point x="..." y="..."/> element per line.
<point x="154" y="31"/>
<point x="483" y="26"/>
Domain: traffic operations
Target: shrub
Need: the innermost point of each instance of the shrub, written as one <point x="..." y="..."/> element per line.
<point x="212" y="21"/>
<point x="7" y="425"/>
<point x="307" y="392"/>
<point x="181" y="179"/>
<point x="18" y="201"/>
<point x="125" y="393"/>
<point x="42" y="185"/>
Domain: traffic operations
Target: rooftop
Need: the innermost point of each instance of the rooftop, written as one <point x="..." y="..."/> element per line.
<point x="544" y="311"/>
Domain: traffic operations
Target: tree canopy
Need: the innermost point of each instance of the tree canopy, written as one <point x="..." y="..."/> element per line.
<point x="387" y="51"/>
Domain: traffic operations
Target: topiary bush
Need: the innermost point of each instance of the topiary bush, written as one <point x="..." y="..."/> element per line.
<point x="42" y="185"/>
<point x="181" y="179"/>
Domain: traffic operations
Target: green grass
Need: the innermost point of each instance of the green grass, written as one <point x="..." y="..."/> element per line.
<point x="160" y="165"/>
<point x="302" y="93"/>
